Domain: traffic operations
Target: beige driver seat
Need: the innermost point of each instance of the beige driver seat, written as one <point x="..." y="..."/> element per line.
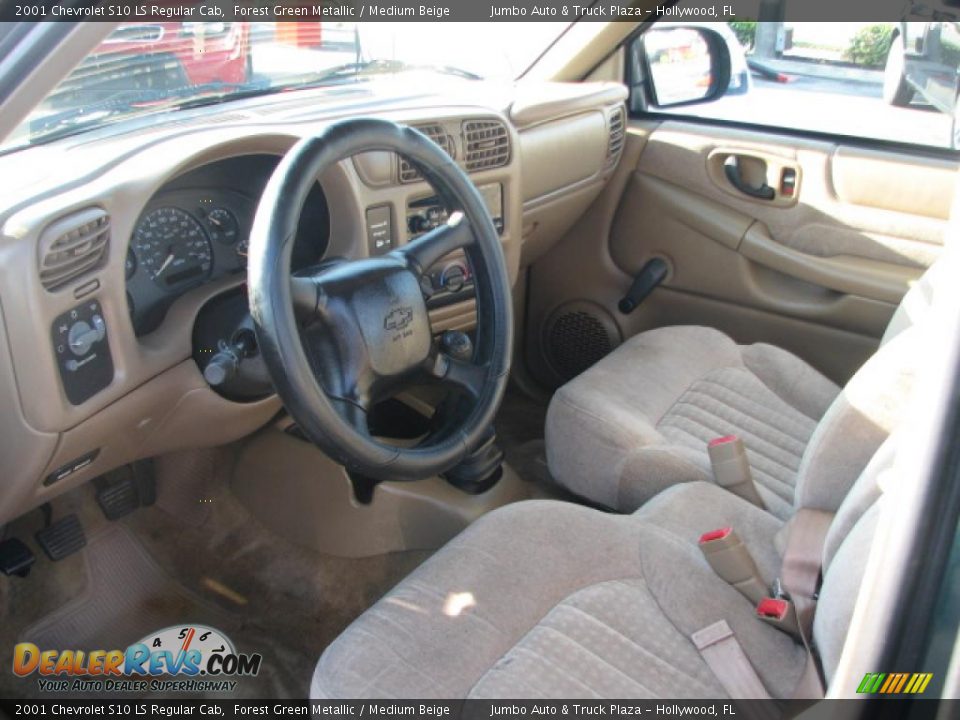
<point x="543" y="599"/>
<point x="639" y="420"/>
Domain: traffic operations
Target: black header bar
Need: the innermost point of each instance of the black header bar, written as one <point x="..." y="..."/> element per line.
<point x="465" y="10"/>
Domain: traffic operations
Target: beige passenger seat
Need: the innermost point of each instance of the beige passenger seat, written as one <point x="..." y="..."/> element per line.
<point x="640" y="420"/>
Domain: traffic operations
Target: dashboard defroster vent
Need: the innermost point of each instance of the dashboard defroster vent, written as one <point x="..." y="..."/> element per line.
<point x="408" y="173"/>
<point x="486" y="144"/>
<point x="73" y="246"/>
<point x="617" y="130"/>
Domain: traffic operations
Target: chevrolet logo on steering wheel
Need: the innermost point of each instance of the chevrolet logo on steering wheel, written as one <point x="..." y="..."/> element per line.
<point x="398" y="318"/>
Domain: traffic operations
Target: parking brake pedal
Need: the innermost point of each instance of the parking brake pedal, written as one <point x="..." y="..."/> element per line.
<point x="15" y="557"/>
<point x="61" y="538"/>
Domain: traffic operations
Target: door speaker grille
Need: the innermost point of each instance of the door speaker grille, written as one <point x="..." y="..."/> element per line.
<point x="579" y="335"/>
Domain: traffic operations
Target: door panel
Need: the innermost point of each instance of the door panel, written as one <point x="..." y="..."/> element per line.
<point x="818" y="271"/>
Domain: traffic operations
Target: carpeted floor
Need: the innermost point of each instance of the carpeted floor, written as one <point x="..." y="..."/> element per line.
<point x="171" y="564"/>
<point x="197" y="556"/>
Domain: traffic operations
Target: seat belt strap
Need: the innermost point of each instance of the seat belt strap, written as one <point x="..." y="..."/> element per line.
<point x="800" y="577"/>
<point x="721" y="651"/>
<point x="802" y="563"/>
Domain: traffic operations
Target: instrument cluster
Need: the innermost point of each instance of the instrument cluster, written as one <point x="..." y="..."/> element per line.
<point x="196" y="229"/>
<point x="184" y="239"/>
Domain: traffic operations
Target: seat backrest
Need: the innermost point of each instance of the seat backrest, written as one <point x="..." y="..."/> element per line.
<point x="857" y="422"/>
<point x="916" y="303"/>
<point x="845" y="552"/>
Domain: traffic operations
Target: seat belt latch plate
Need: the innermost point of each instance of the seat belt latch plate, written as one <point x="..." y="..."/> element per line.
<point x="731" y="468"/>
<point x="725" y="552"/>
<point x="780" y="613"/>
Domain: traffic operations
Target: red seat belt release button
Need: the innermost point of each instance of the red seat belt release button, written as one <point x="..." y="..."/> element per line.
<point x="715" y="535"/>
<point x="780" y="613"/>
<point x="723" y="440"/>
<point x="773" y="608"/>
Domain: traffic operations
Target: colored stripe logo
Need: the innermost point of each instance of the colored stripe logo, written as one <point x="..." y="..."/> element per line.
<point x="894" y="683"/>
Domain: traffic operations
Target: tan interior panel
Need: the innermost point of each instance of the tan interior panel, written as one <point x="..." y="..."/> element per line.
<point x="539" y="102"/>
<point x="679" y="153"/>
<point x="819" y="275"/>
<point x="856" y="276"/>
<point x="706" y="245"/>
<point x="889" y="181"/>
<point x="175" y="410"/>
<point x="304" y="496"/>
<point x="561" y="153"/>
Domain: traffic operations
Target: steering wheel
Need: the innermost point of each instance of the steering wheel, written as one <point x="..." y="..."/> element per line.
<point x="340" y="338"/>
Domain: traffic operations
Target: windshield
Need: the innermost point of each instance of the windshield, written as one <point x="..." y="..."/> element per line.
<point x="144" y="68"/>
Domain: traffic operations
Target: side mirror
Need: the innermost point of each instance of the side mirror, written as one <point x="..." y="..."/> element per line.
<point x="681" y="65"/>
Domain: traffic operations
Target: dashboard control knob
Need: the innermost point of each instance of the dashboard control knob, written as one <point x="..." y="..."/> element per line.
<point x="81" y="336"/>
<point x="221" y="368"/>
<point x="453" y="277"/>
<point x="457" y="345"/>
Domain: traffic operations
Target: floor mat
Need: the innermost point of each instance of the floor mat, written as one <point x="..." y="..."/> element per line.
<point x="127" y="597"/>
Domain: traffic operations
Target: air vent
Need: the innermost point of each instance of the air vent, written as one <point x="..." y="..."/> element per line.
<point x="486" y="144"/>
<point x="73" y="246"/>
<point x="615" y="144"/>
<point x="408" y="173"/>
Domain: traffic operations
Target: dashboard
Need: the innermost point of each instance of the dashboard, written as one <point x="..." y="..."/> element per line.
<point x="122" y="255"/>
<point x="196" y="230"/>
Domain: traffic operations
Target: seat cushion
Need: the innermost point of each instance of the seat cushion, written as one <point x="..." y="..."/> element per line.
<point x="639" y="421"/>
<point x="545" y="599"/>
<point x="688" y="510"/>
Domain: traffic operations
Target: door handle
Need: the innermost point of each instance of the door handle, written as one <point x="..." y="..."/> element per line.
<point x="731" y="168"/>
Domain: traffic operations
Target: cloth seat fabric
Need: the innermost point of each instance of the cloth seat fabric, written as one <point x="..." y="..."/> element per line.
<point x="639" y="420"/>
<point x="550" y="600"/>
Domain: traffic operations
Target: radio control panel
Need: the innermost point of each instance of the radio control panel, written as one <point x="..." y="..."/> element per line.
<point x="427" y="213"/>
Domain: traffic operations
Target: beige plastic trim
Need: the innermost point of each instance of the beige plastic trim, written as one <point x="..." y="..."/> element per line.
<point x="562" y="153"/>
<point x="461" y="316"/>
<point x="843" y="273"/>
<point x="540" y="102"/>
<point x="611" y="69"/>
<point x="921" y="186"/>
<point x="712" y="219"/>
<point x="294" y="489"/>
<point x="584" y="46"/>
<point x="175" y="410"/>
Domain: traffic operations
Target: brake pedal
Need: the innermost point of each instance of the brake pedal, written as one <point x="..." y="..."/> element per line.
<point x="62" y="538"/>
<point x="123" y="490"/>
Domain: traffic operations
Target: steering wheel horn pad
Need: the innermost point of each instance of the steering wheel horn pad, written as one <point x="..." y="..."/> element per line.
<point x="355" y="332"/>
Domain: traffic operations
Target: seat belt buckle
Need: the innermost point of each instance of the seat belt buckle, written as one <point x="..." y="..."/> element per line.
<point x="781" y="613"/>
<point x="730" y="559"/>
<point x="731" y="468"/>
